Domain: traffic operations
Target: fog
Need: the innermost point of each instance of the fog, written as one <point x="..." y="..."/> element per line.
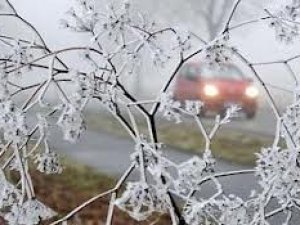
<point x="257" y="42"/>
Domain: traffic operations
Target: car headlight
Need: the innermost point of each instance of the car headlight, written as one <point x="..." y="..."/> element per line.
<point x="210" y="90"/>
<point x="251" y="92"/>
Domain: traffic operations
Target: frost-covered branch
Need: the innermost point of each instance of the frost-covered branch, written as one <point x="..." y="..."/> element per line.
<point x="121" y="39"/>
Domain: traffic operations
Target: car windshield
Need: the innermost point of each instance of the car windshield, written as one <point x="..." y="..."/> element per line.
<point x="205" y="71"/>
<point x="190" y="71"/>
<point x="226" y="72"/>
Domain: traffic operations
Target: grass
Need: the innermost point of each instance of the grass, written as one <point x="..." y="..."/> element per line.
<point x="74" y="186"/>
<point x="230" y="145"/>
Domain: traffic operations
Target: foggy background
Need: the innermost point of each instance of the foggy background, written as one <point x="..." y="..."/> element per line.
<point x="205" y="18"/>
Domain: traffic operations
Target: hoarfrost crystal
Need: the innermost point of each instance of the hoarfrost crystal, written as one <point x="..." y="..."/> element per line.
<point x="71" y="122"/>
<point x="141" y="200"/>
<point x="30" y="213"/>
<point x="48" y="163"/>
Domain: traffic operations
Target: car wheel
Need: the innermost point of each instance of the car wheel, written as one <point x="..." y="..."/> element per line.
<point x="202" y="113"/>
<point x="250" y="115"/>
<point x="222" y="113"/>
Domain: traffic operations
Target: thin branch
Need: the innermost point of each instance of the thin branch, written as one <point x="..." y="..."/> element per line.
<point x="231" y="16"/>
<point x="82" y="206"/>
<point x="58" y="52"/>
<point x="91" y="200"/>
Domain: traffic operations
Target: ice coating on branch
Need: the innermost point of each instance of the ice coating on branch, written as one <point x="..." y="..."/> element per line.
<point x="154" y="161"/>
<point x="230" y="210"/>
<point x="291" y="121"/>
<point x="71" y="119"/>
<point x="190" y="174"/>
<point x="218" y="52"/>
<point x="8" y="194"/>
<point x="107" y="91"/>
<point x="117" y="21"/>
<point x="71" y="122"/>
<point x="20" y="53"/>
<point x="279" y="174"/>
<point x="141" y="200"/>
<point x="285" y="20"/>
<point x="43" y="125"/>
<point x="231" y="112"/>
<point x="233" y="211"/>
<point x="82" y="18"/>
<point x="12" y="122"/>
<point x="183" y="39"/>
<point x="122" y="39"/>
<point x="151" y="154"/>
<point x="195" y="213"/>
<point x="4" y="91"/>
<point x="193" y="107"/>
<point x="131" y="34"/>
<point x="29" y="213"/>
<point x="170" y="107"/>
<point x="84" y="85"/>
<point x="48" y="163"/>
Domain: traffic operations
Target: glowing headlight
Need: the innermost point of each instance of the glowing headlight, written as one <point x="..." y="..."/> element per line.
<point x="210" y="90"/>
<point x="251" y="92"/>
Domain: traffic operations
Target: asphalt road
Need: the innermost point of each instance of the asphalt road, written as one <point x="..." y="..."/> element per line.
<point x="111" y="155"/>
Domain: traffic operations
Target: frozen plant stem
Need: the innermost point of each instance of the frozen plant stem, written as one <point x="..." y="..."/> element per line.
<point x="121" y="39"/>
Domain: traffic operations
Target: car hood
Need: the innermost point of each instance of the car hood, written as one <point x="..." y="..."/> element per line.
<point x="229" y="86"/>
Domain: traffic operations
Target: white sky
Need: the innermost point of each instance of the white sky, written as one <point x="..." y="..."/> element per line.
<point x="256" y="42"/>
<point x="46" y="15"/>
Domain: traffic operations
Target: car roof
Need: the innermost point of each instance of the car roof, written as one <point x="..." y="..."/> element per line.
<point x="200" y="65"/>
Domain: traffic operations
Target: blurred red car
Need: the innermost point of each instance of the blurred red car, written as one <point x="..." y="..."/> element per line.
<point x="217" y="89"/>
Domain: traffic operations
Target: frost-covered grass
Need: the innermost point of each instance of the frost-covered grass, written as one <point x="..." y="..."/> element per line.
<point x="235" y="146"/>
<point x="76" y="184"/>
<point x="62" y="192"/>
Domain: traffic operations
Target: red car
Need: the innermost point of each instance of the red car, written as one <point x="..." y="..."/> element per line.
<point x="217" y="89"/>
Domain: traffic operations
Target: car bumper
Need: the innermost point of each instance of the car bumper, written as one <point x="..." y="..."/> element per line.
<point x="218" y="105"/>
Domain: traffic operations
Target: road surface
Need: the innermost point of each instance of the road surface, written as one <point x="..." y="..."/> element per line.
<point x="111" y="155"/>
